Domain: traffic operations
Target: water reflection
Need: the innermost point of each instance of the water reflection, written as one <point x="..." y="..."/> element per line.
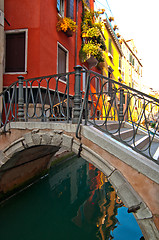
<point x="74" y="202"/>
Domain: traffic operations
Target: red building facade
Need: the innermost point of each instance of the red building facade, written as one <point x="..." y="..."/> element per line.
<point x="34" y="47"/>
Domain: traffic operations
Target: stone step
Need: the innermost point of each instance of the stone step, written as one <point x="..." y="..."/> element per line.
<point x="141" y="142"/>
<point x="124" y="134"/>
<point x="156" y="155"/>
<point x="113" y="125"/>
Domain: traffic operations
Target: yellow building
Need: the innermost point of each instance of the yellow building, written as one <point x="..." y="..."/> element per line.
<point x="111" y="67"/>
<point x="132" y="77"/>
<point x="131" y="65"/>
<point x="113" y="53"/>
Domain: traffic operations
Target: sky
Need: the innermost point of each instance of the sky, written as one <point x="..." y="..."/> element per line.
<point x="138" y="20"/>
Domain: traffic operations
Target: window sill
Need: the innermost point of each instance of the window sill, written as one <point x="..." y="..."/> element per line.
<point x="62" y="81"/>
<point x="15" y="73"/>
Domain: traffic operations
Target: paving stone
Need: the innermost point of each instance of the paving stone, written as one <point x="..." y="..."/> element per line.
<point x="75" y="146"/>
<point x="117" y="179"/>
<point x="128" y="195"/>
<point x="36" y="139"/>
<point x="15" y="147"/>
<point x="149" y="229"/>
<point x="143" y="212"/>
<point x="3" y="158"/>
<point x="46" y="139"/>
<point x="28" y="141"/>
<point x="56" y="139"/>
<point x="67" y="142"/>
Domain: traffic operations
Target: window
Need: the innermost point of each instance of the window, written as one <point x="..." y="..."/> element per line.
<point x="130" y="58"/>
<point x="16" y="51"/>
<point x="60" y="7"/>
<point x="110" y="45"/>
<point x="110" y="49"/>
<point x="62" y="60"/>
<point x="84" y="75"/>
<point x="110" y="71"/>
<point x="119" y="62"/>
<point x="70" y="9"/>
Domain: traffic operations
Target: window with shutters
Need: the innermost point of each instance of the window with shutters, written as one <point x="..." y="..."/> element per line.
<point x="16" y="51"/>
<point x="60" y="7"/>
<point x="110" y="75"/>
<point x="110" y="49"/>
<point x="62" y="60"/>
<point x="70" y="9"/>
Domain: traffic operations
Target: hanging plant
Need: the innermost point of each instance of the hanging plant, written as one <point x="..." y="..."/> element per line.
<point x="93" y="43"/>
<point x="66" y="25"/>
<point x="90" y="49"/>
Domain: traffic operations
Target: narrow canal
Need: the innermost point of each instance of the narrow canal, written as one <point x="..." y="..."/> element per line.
<point x="74" y="201"/>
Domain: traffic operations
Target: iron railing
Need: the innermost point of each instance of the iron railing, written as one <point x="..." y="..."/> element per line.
<point x="125" y="113"/>
<point x="128" y="115"/>
<point x="47" y="98"/>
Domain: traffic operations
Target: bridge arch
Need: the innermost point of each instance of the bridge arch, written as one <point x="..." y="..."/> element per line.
<point x="36" y="142"/>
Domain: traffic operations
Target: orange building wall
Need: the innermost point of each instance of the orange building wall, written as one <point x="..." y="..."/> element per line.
<point x="40" y="18"/>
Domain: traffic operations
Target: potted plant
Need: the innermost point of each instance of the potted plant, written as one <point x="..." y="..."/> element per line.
<point x="91" y="53"/>
<point x="67" y="25"/>
<point x="93" y="43"/>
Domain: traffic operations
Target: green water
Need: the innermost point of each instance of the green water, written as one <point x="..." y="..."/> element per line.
<point x="73" y="202"/>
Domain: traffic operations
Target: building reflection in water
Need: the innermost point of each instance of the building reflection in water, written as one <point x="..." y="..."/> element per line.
<point x="91" y="194"/>
<point x="74" y="201"/>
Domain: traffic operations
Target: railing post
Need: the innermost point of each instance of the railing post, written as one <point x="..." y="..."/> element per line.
<point x="20" y="99"/>
<point x="121" y="116"/>
<point x="77" y="96"/>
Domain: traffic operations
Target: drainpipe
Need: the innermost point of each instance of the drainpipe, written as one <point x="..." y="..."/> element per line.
<point x="76" y="34"/>
<point x="1" y="48"/>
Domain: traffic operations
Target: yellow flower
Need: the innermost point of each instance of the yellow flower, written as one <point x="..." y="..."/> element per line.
<point x="66" y="23"/>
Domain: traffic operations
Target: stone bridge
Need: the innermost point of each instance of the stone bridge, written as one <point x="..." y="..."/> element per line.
<point x="26" y="151"/>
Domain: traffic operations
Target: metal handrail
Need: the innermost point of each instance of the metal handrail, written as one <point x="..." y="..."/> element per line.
<point x="108" y="105"/>
<point x="114" y="103"/>
<point x="45" y="98"/>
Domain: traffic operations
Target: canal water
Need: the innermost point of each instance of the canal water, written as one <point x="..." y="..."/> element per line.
<point x="75" y="201"/>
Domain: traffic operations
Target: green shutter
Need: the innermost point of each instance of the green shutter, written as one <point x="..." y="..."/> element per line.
<point x="110" y="45"/>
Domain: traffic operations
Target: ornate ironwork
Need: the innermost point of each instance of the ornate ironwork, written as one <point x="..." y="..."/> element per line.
<point x="45" y="98"/>
<point x="125" y="113"/>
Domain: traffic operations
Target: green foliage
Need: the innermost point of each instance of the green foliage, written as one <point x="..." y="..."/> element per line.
<point x="93" y="43"/>
<point x="91" y="49"/>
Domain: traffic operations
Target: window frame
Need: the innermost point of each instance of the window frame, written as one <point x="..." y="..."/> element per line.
<point x="61" y="9"/>
<point x="16" y="31"/>
<point x="69" y="13"/>
<point x="110" y="49"/>
<point x="67" y="58"/>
